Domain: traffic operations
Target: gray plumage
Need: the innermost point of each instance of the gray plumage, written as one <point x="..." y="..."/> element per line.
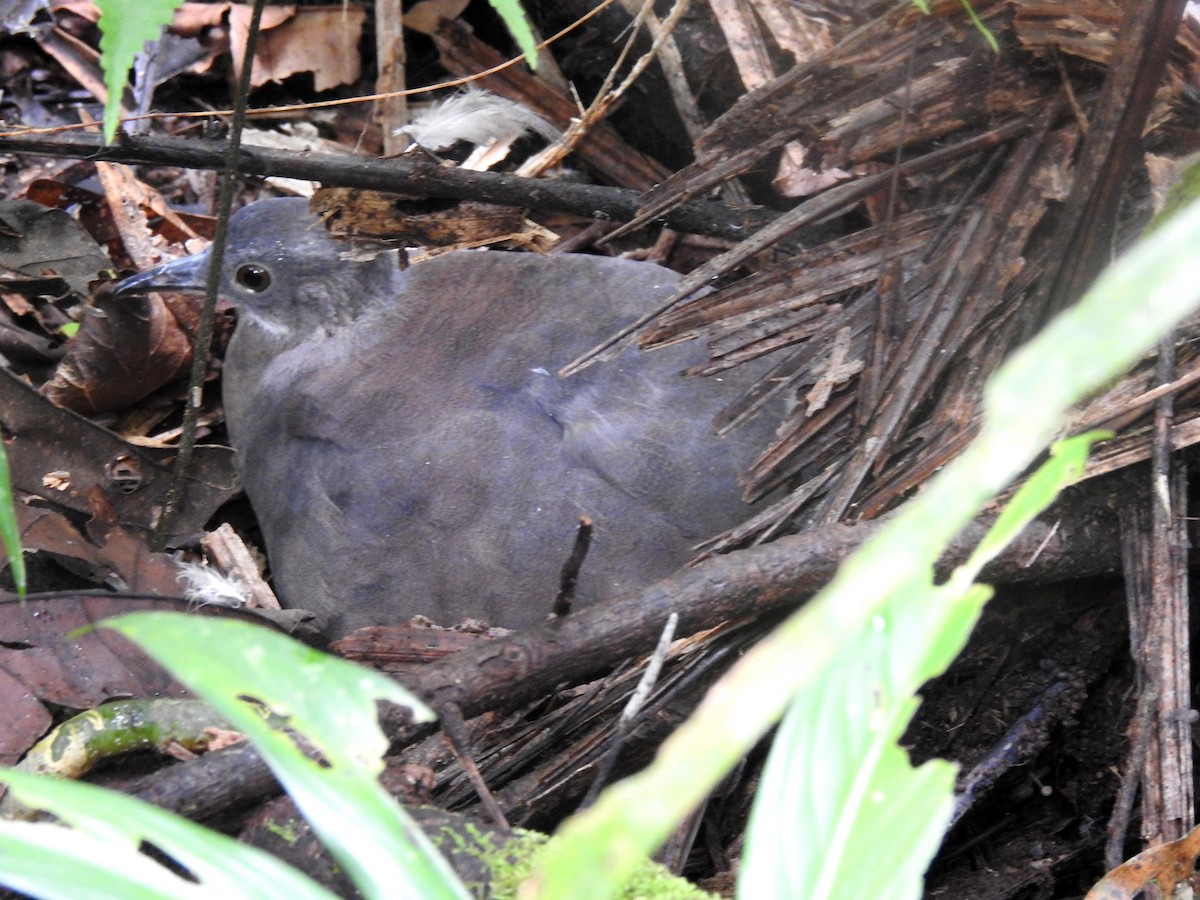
<point x="409" y="449"/>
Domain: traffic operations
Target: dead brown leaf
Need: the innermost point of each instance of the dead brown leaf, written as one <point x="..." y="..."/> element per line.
<point x="131" y="349"/>
<point x="428" y="14"/>
<point x="59" y="456"/>
<point x="318" y="39"/>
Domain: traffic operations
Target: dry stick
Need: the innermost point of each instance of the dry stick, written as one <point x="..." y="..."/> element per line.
<point x="632" y="708"/>
<point x="1159" y="758"/>
<point x="1140" y="726"/>
<point x="1134" y="405"/>
<point x="1089" y="213"/>
<point x="671" y="61"/>
<point x="454" y="726"/>
<point x="889" y="287"/>
<point x="810" y="212"/>
<point x="1172" y="803"/>
<point x="501" y="675"/>
<point x="1080" y="116"/>
<point x="408" y="176"/>
<point x="731" y="17"/>
<point x="752" y="582"/>
<point x="607" y="96"/>
<point x="191" y="410"/>
<point x="918" y="361"/>
<point x="571" y="568"/>
<point x="392" y="109"/>
<point x="605" y="152"/>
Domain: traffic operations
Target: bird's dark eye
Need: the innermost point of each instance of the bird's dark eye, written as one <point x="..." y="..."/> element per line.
<point x="253" y="277"/>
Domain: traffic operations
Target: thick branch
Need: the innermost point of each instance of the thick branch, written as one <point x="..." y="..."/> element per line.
<point x="1078" y="538"/>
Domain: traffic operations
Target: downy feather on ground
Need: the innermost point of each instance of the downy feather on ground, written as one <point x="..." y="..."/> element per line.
<point x="478" y="117"/>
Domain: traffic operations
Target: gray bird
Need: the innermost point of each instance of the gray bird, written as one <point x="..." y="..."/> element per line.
<point x="408" y="447"/>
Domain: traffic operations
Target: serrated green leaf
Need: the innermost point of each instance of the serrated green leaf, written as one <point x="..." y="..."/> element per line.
<point x="125" y="27"/>
<point x="518" y="26"/>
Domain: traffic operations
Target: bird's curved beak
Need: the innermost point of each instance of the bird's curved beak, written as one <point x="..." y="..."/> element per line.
<point x="186" y="274"/>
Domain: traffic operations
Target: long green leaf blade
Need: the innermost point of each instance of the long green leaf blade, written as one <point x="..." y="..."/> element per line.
<point x="333" y="704"/>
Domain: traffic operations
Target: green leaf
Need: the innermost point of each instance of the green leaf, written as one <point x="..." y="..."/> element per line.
<point x="518" y="26"/>
<point x="837" y="789"/>
<point x="840" y="811"/>
<point x="246" y="670"/>
<point x="980" y="27"/>
<point x="923" y="6"/>
<point x="99" y="857"/>
<point x="125" y="27"/>
<point x="10" y="533"/>
<point x="1067" y="459"/>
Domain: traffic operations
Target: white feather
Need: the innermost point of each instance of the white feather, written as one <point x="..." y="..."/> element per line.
<point x="205" y="586"/>
<point x="478" y="117"/>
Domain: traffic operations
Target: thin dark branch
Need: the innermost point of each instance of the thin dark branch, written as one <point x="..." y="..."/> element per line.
<point x="411" y="176"/>
<point x="204" y="334"/>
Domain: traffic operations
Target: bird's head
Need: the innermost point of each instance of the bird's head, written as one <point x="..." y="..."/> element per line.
<point x="282" y="270"/>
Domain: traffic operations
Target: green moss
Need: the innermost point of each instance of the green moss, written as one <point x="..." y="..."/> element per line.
<point x="285" y="831"/>
<point x="511" y="862"/>
<point x="450" y="840"/>
<point x="493" y="863"/>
